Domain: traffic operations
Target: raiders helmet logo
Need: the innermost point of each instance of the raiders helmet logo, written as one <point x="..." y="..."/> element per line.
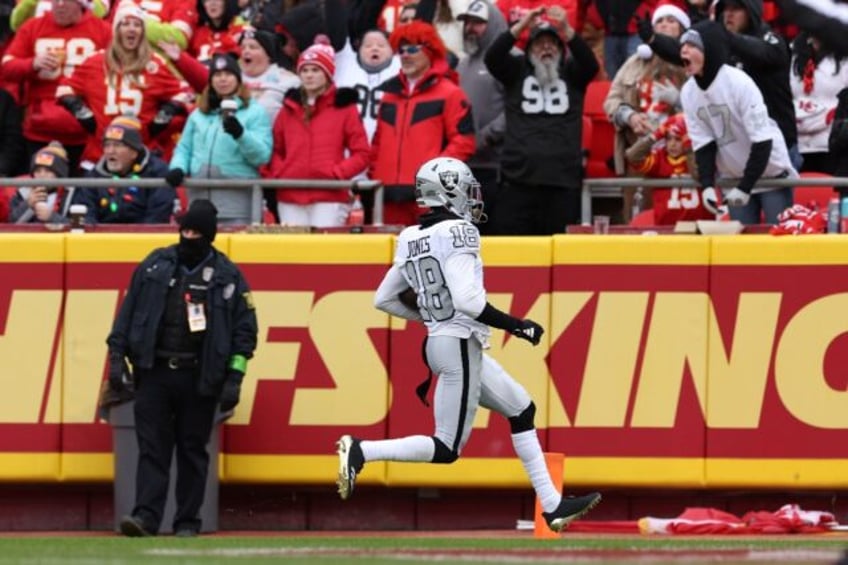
<point x="449" y="180"/>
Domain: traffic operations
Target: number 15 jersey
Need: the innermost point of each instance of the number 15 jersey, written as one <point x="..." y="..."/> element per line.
<point x="442" y="264"/>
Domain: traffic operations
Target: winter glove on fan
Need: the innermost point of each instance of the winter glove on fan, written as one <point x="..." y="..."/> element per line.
<point x="167" y="112"/>
<point x="712" y="201"/>
<point x="233" y="127"/>
<point x="645" y="29"/>
<point x="736" y="197"/>
<point x="83" y="114"/>
<point x="175" y="177"/>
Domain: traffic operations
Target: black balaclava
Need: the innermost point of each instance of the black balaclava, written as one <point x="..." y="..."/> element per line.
<point x="202" y="216"/>
<point x="713" y="44"/>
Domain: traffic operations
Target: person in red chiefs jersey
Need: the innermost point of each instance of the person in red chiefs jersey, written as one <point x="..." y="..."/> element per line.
<point x="664" y="154"/>
<point x="45" y="50"/>
<point x="127" y="78"/>
<point x="219" y="30"/>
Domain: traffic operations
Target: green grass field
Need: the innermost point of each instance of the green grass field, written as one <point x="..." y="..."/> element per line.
<point x="499" y="547"/>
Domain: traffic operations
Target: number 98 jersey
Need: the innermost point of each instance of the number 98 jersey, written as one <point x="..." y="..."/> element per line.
<point x="442" y="264"/>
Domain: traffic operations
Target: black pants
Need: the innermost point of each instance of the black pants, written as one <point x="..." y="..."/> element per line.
<point x="169" y="413"/>
<point x="525" y="209"/>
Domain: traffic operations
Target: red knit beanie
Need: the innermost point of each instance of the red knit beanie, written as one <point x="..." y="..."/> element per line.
<point x="320" y="55"/>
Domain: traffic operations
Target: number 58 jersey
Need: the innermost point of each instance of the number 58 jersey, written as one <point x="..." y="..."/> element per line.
<point x="442" y="264"/>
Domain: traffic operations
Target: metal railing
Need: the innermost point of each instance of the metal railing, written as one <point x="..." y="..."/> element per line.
<point x="255" y="185"/>
<point x="592" y="188"/>
<point x="611" y="187"/>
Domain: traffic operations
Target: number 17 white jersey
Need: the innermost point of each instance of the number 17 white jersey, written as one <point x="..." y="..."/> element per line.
<point x="731" y="112"/>
<point x="442" y="264"/>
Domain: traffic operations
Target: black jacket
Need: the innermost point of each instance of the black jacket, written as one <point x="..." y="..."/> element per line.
<point x="128" y="205"/>
<point x="231" y="327"/>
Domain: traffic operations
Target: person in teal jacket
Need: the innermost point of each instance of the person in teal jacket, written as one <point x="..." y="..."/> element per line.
<point x="227" y="136"/>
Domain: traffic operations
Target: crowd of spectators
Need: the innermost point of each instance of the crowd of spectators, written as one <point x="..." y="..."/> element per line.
<point x="371" y="89"/>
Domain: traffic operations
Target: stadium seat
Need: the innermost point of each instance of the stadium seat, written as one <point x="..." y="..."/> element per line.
<point x="818" y="196"/>
<point x="643" y="218"/>
<point x="603" y="132"/>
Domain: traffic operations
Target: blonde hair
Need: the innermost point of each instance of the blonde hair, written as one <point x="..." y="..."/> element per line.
<point x="129" y="63"/>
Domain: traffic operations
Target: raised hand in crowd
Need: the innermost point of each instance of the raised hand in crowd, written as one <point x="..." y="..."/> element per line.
<point x="526" y="20"/>
<point x="559" y="18"/>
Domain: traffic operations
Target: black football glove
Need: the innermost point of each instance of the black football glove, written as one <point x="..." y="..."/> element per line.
<point x="529" y="330"/>
<point x="231" y="391"/>
<point x="175" y="177"/>
<point x="167" y="112"/>
<point x="233" y="127"/>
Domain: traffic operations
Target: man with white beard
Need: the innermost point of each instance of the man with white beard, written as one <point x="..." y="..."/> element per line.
<point x="541" y="163"/>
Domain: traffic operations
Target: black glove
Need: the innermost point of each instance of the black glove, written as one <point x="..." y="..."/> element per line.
<point x="119" y="372"/>
<point x="529" y="330"/>
<point x="233" y="127"/>
<point x="645" y="29"/>
<point x="80" y="111"/>
<point x="167" y="112"/>
<point x="230" y="392"/>
<point x="175" y="177"/>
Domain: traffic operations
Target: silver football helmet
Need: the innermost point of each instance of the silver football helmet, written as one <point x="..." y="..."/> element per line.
<point x="449" y="183"/>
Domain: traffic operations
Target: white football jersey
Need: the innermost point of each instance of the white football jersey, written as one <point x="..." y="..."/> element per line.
<point x="349" y="73"/>
<point x="732" y="113"/>
<point x="442" y="264"/>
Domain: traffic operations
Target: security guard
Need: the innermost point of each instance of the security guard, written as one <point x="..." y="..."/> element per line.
<point x="188" y="327"/>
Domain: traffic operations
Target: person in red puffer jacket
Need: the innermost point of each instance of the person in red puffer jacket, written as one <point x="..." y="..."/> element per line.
<point x="423" y="114"/>
<point x="317" y="135"/>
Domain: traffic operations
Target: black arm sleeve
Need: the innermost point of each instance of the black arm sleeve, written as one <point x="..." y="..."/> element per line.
<point x="759" y="53"/>
<point x="364" y="15"/>
<point x="336" y="19"/>
<point x="494" y="318"/>
<point x="756" y="165"/>
<point x="666" y="48"/>
<point x="503" y="66"/>
<point x="705" y="158"/>
<point x="426" y="11"/>
<point x="833" y="32"/>
<point x="584" y="59"/>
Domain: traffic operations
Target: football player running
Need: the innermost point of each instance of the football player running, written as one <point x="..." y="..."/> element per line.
<point x="439" y="260"/>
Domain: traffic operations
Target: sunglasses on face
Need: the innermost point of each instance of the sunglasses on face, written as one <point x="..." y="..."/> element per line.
<point x="410" y="49"/>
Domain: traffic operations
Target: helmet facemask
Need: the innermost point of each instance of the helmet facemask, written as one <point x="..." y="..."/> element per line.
<point x="448" y="183"/>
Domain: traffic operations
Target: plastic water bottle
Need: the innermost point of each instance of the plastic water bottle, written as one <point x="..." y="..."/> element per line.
<point x="833" y="215"/>
<point x="843" y="219"/>
<point x="356" y="216"/>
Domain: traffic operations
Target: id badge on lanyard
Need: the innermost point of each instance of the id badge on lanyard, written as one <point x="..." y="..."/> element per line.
<point x="196" y="315"/>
